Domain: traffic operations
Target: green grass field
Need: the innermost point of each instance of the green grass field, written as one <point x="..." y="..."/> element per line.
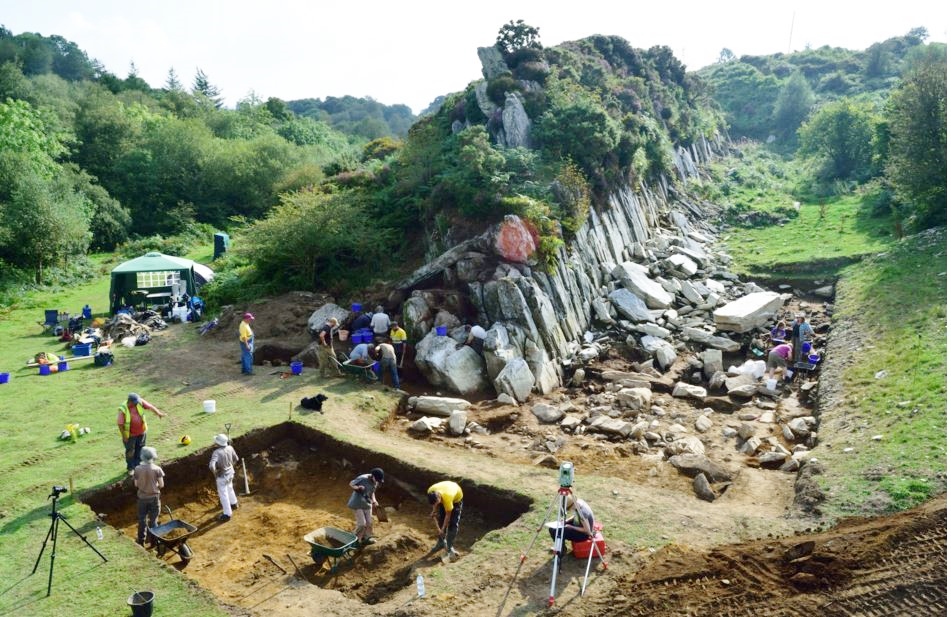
<point x="894" y="381"/>
<point x="814" y="244"/>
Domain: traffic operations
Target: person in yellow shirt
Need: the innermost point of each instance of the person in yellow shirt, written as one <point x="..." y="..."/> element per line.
<point x="398" y="338"/>
<point x="446" y="499"/>
<point x="246" y="338"/>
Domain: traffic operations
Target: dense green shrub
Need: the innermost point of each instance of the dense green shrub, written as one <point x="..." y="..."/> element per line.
<point x="498" y="87"/>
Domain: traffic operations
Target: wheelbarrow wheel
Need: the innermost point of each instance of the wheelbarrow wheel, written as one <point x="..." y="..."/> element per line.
<point x="160" y="549"/>
<point x="318" y="557"/>
<point x="185" y="553"/>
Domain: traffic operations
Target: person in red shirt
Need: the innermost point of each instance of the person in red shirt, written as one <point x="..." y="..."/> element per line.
<point x="132" y="427"/>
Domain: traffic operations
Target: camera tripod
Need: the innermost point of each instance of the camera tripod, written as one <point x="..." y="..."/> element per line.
<point x="52" y="533"/>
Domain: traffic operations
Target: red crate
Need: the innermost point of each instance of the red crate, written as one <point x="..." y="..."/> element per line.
<point x="581" y="549"/>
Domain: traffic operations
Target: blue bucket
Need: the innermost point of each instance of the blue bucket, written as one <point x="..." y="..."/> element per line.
<point x="44" y="369"/>
<point x="63" y="366"/>
<point x="297" y="368"/>
<point x="813" y="358"/>
<point x="806" y="348"/>
<point x="4" y="378"/>
<point x="441" y="330"/>
<point x="356" y="308"/>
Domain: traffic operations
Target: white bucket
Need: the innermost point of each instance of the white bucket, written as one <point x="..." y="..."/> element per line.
<point x="209" y="406"/>
<point x="770" y="384"/>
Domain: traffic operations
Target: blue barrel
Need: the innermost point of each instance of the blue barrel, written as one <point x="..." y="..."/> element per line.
<point x="297" y="368"/>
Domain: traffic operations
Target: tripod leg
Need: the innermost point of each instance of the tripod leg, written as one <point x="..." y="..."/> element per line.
<point x="525" y="554"/>
<point x="49" y="583"/>
<point x="559" y="544"/>
<point x="594" y="547"/>
<point x="49" y="534"/>
<point x="81" y="537"/>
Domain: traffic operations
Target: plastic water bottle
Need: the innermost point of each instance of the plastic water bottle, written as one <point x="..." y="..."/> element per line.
<point x="420" y="586"/>
<point x="99" y="532"/>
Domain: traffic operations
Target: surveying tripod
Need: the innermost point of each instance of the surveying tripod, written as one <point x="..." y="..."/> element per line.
<point x="565" y="481"/>
<point x="53" y="532"/>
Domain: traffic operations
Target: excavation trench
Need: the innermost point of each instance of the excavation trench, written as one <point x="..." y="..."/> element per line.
<point x="298" y="479"/>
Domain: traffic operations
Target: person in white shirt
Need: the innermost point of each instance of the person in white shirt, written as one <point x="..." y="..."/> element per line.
<point x="380" y="323"/>
<point x="223" y="459"/>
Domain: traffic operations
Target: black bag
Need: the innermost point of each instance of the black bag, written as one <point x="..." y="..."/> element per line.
<point x="142" y="339"/>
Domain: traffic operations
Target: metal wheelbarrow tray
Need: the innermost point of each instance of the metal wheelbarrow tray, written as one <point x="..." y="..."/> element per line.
<point x="360" y="370"/>
<point x="164" y="540"/>
<point x="333" y="543"/>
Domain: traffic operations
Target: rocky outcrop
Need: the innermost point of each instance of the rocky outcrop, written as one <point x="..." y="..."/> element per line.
<point x="444" y="363"/>
<point x="493" y="64"/>
<point x="516" y="126"/>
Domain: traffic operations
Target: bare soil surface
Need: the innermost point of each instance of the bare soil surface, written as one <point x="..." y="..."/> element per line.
<point x="751" y="552"/>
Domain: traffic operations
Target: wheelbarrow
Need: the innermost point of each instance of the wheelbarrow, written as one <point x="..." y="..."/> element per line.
<point x="172" y="536"/>
<point x="332" y="543"/>
<point x="367" y="372"/>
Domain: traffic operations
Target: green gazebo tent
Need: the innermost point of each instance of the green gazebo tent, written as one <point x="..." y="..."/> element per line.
<point x="153" y="278"/>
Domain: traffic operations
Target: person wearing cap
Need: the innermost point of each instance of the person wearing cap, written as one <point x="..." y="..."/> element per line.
<point x="446" y="500"/>
<point x="579" y="524"/>
<point x="398" y="338"/>
<point x="223" y="459"/>
<point x="362" y="501"/>
<point x="133" y="427"/>
<point x="380" y="323"/>
<point x="149" y="479"/>
<point x="325" y="348"/>
<point x="246" y="338"/>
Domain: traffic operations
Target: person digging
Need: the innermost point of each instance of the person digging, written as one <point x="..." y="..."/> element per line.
<point x="446" y="499"/>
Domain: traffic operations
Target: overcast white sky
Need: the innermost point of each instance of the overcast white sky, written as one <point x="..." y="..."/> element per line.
<point x="411" y="52"/>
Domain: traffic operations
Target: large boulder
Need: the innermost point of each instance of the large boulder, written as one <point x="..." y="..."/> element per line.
<point x="417" y="317"/>
<point x="635" y="278"/>
<point x="515" y="122"/>
<point x="749" y="312"/>
<point x="547" y="413"/>
<point x="438" y="405"/>
<point x="709" y="340"/>
<point x="611" y="426"/>
<point x="459" y="369"/>
<point x="635" y="399"/>
<point x="515" y="379"/>
<point x="692" y="464"/>
<point x="319" y="317"/>
<point x="514" y="240"/>
<point x="493" y="63"/>
<point x="663" y="352"/>
<point x="630" y="305"/>
<point x="686" y="390"/>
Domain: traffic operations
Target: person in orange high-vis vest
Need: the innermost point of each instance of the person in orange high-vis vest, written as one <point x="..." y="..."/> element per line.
<point x="132" y="427"/>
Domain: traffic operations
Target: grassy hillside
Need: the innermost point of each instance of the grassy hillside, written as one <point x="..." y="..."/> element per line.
<point x="884" y="394"/>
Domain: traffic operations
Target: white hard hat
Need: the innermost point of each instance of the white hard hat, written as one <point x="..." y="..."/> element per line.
<point x="221" y="439"/>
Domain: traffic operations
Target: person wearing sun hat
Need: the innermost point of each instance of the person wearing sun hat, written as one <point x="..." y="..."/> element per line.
<point x="362" y="501"/>
<point x="149" y="480"/>
<point x="246" y="338"/>
<point x="223" y="459"/>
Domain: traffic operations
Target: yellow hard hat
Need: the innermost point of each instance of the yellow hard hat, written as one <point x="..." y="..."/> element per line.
<point x="185" y="440"/>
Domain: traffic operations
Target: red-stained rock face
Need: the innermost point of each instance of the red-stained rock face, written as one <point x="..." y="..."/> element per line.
<point x="515" y="241"/>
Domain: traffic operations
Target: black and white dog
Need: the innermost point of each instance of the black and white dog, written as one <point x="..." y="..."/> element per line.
<point x="314" y="403"/>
